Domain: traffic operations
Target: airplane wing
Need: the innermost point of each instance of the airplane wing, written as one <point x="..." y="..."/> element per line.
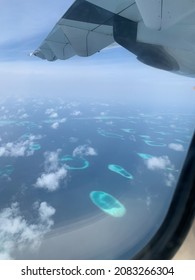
<point x="159" y="32"/>
<point x="83" y="30"/>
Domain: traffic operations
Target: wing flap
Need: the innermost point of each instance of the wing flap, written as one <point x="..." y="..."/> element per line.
<point x="59" y="44"/>
<point x="83" y="30"/>
<point x="45" y="52"/>
<point x="86" y="42"/>
<point x="60" y="50"/>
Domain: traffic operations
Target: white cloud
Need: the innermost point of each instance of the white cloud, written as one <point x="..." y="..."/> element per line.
<point x="76" y="113"/>
<point x="51" y="181"/>
<point x="55" y="125"/>
<point x="53" y="175"/>
<point x="51" y="112"/>
<point x="170" y="180"/>
<point x="46" y="212"/>
<point x="84" y="150"/>
<point x="158" y="163"/>
<point x="18" y="149"/>
<point x="13" y="150"/>
<point x="162" y="163"/>
<point x="176" y="147"/>
<point x="63" y="120"/>
<point x="17" y="232"/>
<point x="51" y="161"/>
<point x="53" y="115"/>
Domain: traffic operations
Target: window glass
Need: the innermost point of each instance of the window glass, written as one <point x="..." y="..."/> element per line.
<point x="90" y="151"/>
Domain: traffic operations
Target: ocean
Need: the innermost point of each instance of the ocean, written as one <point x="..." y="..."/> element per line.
<point x="93" y="180"/>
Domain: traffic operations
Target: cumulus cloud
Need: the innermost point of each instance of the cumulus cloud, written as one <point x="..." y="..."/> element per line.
<point x="170" y="179"/>
<point x="17" y="232"/>
<point x="63" y="120"/>
<point x="51" y="178"/>
<point x="51" y="181"/>
<point x="13" y="150"/>
<point x="176" y="147"/>
<point x="76" y="113"/>
<point x="84" y="150"/>
<point x="51" y="161"/>
<point x="53" y="115"/>
<point x="158" y="163"/>
<point x="55" y="125"/>
<point x="162" y="163"/>
<point x="18" y="149"/>
<point x="51" y="112"/>
<point x="45" y="212"/>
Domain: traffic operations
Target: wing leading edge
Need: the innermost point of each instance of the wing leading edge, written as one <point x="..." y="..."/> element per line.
<point x="160" y="33"/>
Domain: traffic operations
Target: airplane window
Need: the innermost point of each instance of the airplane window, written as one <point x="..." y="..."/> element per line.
<point x="91" y="149"/>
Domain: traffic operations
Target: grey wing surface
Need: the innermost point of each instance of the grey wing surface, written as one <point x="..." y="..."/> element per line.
<point x="86" y="28"/>
<point x="160" y="33"/>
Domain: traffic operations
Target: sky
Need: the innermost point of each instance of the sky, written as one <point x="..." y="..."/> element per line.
<point x="25" y="24"/>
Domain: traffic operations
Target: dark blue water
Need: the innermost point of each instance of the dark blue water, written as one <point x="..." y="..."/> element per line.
<point x="116" y="133"/>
